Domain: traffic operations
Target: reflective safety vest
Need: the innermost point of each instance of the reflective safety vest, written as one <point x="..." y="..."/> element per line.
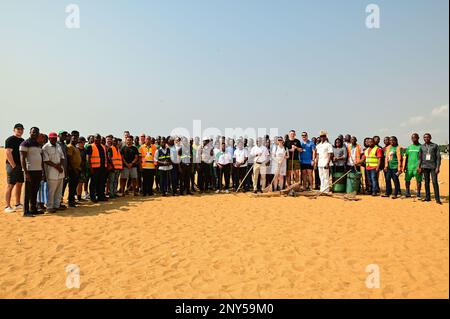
<point x="163" y="155"/>
<point x="116" y="158"/>
<point x="397" y="154"/>
<point x="371" y="158"/>
<point x="147" y="156"/>
<point x="95" y="156"/>
<point x="357" y="153"/>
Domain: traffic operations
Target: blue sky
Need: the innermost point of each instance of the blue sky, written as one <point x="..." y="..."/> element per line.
<point x="151" y="66"/>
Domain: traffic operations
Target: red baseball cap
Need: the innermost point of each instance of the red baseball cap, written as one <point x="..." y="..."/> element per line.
<point x="52" y="135"/>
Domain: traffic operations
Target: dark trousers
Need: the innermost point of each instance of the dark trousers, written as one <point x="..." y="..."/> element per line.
<point x="164" y="177"/>
<point x="316" y="179"/>
<point x="65" y="184"/>
<point x="248" y="184"/>
<point x="223" y="173"/>
<point x="427" y="173"/>
<point x="239" y="174"/>
<point x="392" y="175"/>
<point x="234" y="176"/>
<point x="204" y="176"/>
<point x="31" y="191"/>
<point x="97" y="185"/>
<point x="74" y="177"/>
<point x="185" y="177"/>
<point x="174" y="178"/>
<point x="194" y="169"/>
<point x="148" y="178"/>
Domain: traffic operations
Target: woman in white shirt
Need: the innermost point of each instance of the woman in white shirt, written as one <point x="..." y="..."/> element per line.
<point x="279" y="156"/>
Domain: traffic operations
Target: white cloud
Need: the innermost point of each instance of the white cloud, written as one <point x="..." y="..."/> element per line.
<point x="434" y="122"/>
<point x="441" y="110"/>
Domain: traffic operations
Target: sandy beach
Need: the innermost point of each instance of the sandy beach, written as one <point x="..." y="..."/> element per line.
<point x="229" y="246"/>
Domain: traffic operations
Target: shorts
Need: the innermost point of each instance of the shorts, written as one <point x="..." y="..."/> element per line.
<point x="129" y="173"/>
<point x="413" y="173"/>
<point x="14" y="175"/>
<point x="307" y="166"/>
<point x="296" y="165"/>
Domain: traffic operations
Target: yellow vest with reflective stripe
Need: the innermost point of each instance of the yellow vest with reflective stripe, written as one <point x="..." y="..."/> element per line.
<point x="371" y="158"/>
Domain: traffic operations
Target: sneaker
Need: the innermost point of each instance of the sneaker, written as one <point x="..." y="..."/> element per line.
<point x="72" y="205"/>
<point x="9" y="210"/>
<point x="394" y="197"/>
<point x="217" y="191"/>
<point x="18" y="207"/>
<point x="227" y="191"/>
<point x="28" y="215"/>
<point x="86" y="197"/>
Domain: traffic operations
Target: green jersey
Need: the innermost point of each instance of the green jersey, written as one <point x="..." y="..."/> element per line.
<point x="412" y="152"/>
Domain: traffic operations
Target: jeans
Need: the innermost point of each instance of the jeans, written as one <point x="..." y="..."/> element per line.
<point x="113" y="179"/>
<point x="73" y="184"/>
<point x="148" y="178"/>
<point x="372" y="175"/>
<point x="427" y="172"/>
<point x="164" y="177"/>
<point x="31" y="192"/>
<point x="392" y="175"/>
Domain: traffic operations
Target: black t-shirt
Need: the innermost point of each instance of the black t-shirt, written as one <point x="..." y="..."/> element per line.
<point x="13" y="142"/>
<point x="288" y="144"/>
<point x="129" y="154"/>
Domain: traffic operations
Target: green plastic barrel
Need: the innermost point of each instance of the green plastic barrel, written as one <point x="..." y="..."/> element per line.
<point x="340" y="186"/>
<point x="353" y="182"/>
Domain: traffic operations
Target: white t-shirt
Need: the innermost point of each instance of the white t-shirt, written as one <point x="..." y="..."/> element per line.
<point x="240" y="155"/>
<point x="261" y="154"/>
<point x="324" y="152"/>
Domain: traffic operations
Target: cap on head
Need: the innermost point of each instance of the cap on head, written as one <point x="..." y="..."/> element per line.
<point x="18" y="125"/>
<point x="52" y="135"/>
<point x="323" y="133"/>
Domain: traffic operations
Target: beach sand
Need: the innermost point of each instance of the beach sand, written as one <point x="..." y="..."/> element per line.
<point x="229" y="246"/>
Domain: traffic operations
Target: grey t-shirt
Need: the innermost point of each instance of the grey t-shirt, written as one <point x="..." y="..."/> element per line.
<point x="34" y="154"/>
<point x="340" y="152"/>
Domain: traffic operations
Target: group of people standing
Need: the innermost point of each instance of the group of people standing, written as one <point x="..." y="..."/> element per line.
<point x="106" y="167"/>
